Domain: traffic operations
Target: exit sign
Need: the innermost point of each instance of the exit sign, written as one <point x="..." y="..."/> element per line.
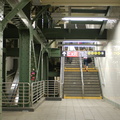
<point x="72" y="54"/>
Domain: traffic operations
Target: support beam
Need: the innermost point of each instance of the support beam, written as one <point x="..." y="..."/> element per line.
<point x="1" y="65"/>
<point x="1" y="53"/>
<point x="75" y="34"/>
<point x="104" y="22"/>
<point x="12" y="13"/>
<point x="24" y="55"/>
<point x="40" y="13"/>
<point x="27" y="22"/>
<point x="88" y="11"/>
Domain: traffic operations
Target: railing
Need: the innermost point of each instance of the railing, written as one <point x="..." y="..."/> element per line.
<point x="80" y="59"/>
<point x="62" y="76"/>
<point x="37" y="91"/>
<point x="18" y="98"/>
<point x="23" y="95"/>
<point x="52" y="88"/>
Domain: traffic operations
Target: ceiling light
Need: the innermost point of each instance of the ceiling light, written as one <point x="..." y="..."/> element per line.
<point x="86" y="18"/>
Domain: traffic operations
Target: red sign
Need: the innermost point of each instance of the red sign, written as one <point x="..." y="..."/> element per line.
<point x="72" y="54"/>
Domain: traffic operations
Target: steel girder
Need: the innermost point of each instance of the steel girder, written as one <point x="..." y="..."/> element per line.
<point x="88" y="11"/>
<point x="25" y="55"/>
<point x="1" y="65"/>
<point x="27" y="22"/>
<point x="40" y="13"/>
<point x="75" y="34"/>
<point x="104" y="22"/>
<point x="1" y="53"/>
<point x="15" y="10"/>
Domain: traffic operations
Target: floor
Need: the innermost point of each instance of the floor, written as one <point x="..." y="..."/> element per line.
<point x="68" y="109"/>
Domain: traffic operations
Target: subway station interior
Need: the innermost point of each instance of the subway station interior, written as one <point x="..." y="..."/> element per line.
<point x="42" y="77"/>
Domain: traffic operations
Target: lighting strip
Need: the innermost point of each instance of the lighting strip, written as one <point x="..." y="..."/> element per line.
<point x="87" y="18"/>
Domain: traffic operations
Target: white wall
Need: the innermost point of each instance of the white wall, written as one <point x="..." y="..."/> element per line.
<point x="9" y="63"/>
<point x="110" y="66"/>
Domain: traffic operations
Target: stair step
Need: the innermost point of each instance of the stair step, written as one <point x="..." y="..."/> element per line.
<point x="73" y="95"/>
<point x="91" y="89"/>
<point x="72" y="89"/>
<point x="72" y="85"/>
<point x="73" y="92"/>
<point x="72" y="82"/>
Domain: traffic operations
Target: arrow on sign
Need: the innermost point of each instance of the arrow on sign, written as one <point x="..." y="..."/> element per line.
<point x="64" y="53"/>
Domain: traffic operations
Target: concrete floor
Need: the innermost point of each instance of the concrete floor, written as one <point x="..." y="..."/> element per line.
<point x="68" y="109"/>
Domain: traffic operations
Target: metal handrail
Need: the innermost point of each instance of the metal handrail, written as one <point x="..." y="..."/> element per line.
<point x="21" y="96"/>
<point x="52" y="88"/>
<point x="62" y="75"/>
<point x="82" y="79"/>
<point x="37" y="91"/>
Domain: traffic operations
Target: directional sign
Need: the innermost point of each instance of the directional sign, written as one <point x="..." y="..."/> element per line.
<point x="64" y="53"/>
<point x="89" y="53"/>
<point x="96" y="53"/>
<point x="72" y="54"/>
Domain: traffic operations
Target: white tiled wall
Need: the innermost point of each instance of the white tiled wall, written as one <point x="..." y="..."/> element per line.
<point x="9" y="62"/>
<point x="110" y="66"/>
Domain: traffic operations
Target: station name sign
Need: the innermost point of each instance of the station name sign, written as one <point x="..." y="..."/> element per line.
<point x="78" y="53"/>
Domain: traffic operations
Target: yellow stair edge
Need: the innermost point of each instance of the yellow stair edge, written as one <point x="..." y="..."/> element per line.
<point x="67" y="97"/>
<point x="79" y="68"/>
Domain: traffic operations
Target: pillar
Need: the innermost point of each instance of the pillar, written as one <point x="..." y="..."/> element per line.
<point x="1" y="53"/>
<point x="24" y="55"/>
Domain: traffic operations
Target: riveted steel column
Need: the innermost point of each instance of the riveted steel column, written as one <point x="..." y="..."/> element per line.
<point x="42" y="65"/>
<point x="1" y="53"/>
<point x="24" y="55"/>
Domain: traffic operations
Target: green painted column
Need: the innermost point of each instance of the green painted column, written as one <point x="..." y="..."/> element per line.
<point x="42" y="65"/>
<point x="24" y="55"/>
<point x="1" y="65"/>
<point x="1" y="53"/>
<point x="45" y="66"/>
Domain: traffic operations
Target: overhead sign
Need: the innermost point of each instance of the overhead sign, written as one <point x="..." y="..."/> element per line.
<point x="89" y="53"/>
<point x="96" y="53"/>
<point x="72" y="53"/>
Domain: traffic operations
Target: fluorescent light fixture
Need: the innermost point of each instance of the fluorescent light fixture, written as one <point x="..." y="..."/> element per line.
<point x="86" y="18"/>
<point x="80" y="45"/>
<point x="79" y="41"/>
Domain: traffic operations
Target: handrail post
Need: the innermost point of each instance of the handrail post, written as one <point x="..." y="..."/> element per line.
<point x="81" y="74"/>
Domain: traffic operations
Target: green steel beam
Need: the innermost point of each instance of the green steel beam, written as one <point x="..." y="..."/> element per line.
<point x="40" y="13"/>
<point x="104" y="22"/>
<point x="13" y="33"/>
<point x="1" y="65"/>
<point x="39" y="36"/>
<point x="75" y="34"/>
<point x="86" y="22"/>
<point x="25" y="55"/>
<point x="88" y="11"/>
<point x="12" y="13"/>
<point x="1" y="53"/>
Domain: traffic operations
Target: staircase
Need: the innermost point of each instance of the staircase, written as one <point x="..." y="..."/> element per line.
<point x="73" y="83"/>
<point x="92" y="86"/>
<point x="72" y="79"/>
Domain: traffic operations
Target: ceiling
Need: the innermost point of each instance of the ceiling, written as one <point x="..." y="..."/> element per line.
<point x="79" y="2"/>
